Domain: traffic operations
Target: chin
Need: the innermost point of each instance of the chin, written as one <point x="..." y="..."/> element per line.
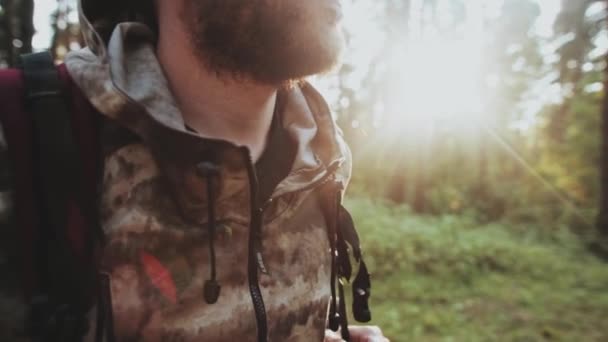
<point x="306" y="55"/>
<point x="313" y="54"/>
<point x="267" y="44"/>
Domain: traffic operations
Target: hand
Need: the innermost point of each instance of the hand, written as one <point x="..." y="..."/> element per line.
<point x="358" y="334"/>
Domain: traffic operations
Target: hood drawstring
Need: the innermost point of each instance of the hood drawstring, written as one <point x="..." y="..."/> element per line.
<point x="212" y="287"/>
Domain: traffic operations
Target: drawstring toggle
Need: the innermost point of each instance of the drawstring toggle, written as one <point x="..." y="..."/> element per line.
<point x="212" y="287"/>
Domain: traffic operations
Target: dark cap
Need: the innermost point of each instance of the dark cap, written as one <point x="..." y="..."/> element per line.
<point x="103" y="15"/>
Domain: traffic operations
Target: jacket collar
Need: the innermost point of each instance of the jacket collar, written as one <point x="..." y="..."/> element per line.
<point x="124" y="81"/>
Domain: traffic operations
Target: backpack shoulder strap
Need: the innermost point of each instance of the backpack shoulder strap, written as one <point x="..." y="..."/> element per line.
<point x="63" y="284"/>
<point x="54" y="144"/>
<point x="17" y="133"/>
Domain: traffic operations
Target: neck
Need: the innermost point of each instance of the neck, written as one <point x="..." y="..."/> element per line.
<point x="215" y="105"/>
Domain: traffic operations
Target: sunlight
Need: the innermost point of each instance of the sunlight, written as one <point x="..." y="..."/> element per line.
<point x="433" y="77"/>
<point x="436" y="86"/>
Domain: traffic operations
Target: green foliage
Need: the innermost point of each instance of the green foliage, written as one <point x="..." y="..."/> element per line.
<point x="570" y="160"/>
<point x="483" y="167"/>
<point x="530" y="158"/>
<point x="447" y="278"/>
<point x="500" y="253"/>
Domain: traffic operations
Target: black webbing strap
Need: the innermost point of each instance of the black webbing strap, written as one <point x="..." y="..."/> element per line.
<point x="331" y="198"/>
<point x="59" y="307"/>
<point x="344" y="241"/>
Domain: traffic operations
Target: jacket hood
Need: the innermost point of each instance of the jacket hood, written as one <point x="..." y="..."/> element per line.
<point x="121" y="76"/>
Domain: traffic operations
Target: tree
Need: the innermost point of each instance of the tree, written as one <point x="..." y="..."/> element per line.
<point x="17" y="28"/>
<point x="397" y="25"/>
<point x="5" y="35"/>
<point x="67" y="34"/>
<point x="580" y="29"/>
<point x="603" y="205"/>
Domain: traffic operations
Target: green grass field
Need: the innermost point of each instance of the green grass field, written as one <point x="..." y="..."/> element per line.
<point x="450" y="279"/>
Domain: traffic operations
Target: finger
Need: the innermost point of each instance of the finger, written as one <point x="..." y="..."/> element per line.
<point x="367" y="330"/>
<point x="371" y="339"/>
<point x="366" y="334"/>
<point x="331" y="336"/>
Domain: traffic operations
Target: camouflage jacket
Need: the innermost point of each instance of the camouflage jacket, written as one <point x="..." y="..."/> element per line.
<point x="155" y="205"/>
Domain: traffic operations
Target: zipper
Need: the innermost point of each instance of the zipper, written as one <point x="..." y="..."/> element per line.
<point x="255" y="260"/>
<point x="255" y="252"/>
<point x="330" y="171"/>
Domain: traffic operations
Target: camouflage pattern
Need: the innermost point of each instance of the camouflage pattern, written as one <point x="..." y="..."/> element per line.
<point x="154" y="208"/>
<point x="149" y="239"/>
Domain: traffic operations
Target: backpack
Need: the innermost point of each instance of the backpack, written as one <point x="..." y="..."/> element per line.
<point x="54" y="162"/>
<point x="54" y="149"/>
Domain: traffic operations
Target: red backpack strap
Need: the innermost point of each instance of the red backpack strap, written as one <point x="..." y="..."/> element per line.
<point x="16" y="127"/>
<point x="53" y="149"/>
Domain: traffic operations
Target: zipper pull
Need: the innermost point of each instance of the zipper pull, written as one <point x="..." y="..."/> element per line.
<point x="259" y="257"/>
<point x="260" y="261"/>
<point x="259" y="247"/>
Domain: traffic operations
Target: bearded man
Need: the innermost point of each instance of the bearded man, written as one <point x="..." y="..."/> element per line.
<point x="216" y="158"/>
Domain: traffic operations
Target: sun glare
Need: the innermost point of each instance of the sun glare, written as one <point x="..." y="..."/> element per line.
<point x="429" y="77"/>
<point x="437" y="79"/>
<point x="434" y="77"/>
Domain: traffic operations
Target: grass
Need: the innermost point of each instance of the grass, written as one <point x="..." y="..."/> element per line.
<point x="450" y="279"/>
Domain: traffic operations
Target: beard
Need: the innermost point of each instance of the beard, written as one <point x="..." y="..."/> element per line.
<point x="268" y="41"/>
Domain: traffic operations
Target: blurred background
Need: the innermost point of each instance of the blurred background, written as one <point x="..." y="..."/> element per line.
<point x="479" y="130"/>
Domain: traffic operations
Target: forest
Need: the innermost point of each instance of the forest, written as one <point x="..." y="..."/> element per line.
<point x="479" y="130"/>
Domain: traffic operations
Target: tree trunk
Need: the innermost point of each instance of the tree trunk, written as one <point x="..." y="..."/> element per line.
<point x="397" y="153"/>
<point x="603" y="206"/>
<point x="6" y="37"/>
<point x="17" y="28"/>
<point x="26" y="25"/>
<point x="419" y="202"/>
<point x="397" y="186"/>
<point x="424" y="157"/>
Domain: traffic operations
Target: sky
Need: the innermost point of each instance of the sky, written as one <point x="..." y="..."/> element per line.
<point x="42" y="21"/>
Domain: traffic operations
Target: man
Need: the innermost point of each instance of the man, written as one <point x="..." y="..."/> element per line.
<point x="215" y="152"/>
